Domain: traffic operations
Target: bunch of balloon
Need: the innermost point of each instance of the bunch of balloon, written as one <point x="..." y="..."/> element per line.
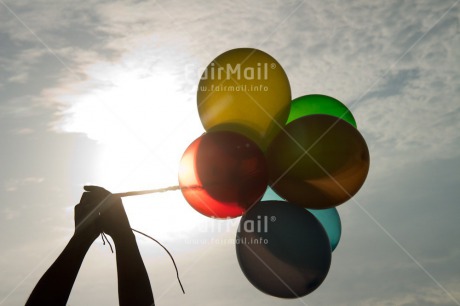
<point x="243" y="100"/>
<point x="283" y="165"/>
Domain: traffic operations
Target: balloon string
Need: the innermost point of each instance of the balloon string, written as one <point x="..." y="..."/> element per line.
<point x="149" y="191"/>
<point x="104" y="240"/>
<point x="172" y="258"/>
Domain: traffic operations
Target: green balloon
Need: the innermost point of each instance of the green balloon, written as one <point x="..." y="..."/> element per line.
<point x="329" y="218"/>
<point x="319" y="105"/>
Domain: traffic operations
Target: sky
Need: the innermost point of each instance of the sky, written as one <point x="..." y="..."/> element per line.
<point x="104" y="92"/>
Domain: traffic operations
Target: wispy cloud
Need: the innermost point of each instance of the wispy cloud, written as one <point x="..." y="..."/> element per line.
<point x="20" y="65"/>
<point x="15" y="184"/>
<point x="23" y="131"/>
<point x="10" y="214"/>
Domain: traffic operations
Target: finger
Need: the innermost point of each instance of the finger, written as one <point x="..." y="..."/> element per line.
<point x="81" y="209"/>
<point x="97" y="189"/>
<point x="93" y="188"/>
<point x="76" y="209"/>
<point x="84" y="198"/>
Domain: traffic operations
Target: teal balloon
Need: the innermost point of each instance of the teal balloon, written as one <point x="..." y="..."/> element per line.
<point x="329" y="218"/>
<point x="319" y="105"/>
<point x="271" y="195"/>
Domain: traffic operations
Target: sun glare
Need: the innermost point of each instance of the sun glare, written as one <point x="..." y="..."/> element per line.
<point x="143" y="118"/>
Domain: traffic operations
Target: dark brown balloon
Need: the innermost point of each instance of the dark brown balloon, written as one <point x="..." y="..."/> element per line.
<point x="318" y="161"/>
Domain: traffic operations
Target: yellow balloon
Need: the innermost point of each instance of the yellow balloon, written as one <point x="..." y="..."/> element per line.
<point x="246" y="91"/>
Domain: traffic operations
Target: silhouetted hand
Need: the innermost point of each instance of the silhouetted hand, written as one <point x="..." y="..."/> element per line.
<point x="112" y="218"/>
<point x="87" y="224"/>
<point x="133" y="281"/>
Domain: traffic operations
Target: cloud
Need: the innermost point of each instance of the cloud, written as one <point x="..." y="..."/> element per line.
<point x="424" y="296"/>
<point x="19" y="67"/>
<point x="23" y="131"/>
<point x="21" y="107"/>
<point x="10" y="214"/>
<point x="12" y="185"/>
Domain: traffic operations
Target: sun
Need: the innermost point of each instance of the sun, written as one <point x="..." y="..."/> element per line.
<point x="143" y="119"/>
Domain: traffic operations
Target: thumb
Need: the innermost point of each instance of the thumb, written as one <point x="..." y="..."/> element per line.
<point x="95" y="189"/>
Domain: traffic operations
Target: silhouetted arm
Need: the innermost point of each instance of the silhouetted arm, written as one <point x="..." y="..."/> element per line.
<point x="98" y="211"/>
<point x="133" y="282"/>
<point x="54" y="287"/>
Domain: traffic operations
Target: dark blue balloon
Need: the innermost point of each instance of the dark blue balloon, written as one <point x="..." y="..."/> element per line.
<point x="282" y="249"/>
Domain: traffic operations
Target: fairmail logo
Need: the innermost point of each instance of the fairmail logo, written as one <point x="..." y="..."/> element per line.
<point x="237" y="72"/>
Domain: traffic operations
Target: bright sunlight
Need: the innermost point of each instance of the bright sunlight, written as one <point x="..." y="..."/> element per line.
<point x="144" y="116"/>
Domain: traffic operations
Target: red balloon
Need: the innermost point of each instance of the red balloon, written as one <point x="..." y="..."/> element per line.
<point x="222" y="174"/>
